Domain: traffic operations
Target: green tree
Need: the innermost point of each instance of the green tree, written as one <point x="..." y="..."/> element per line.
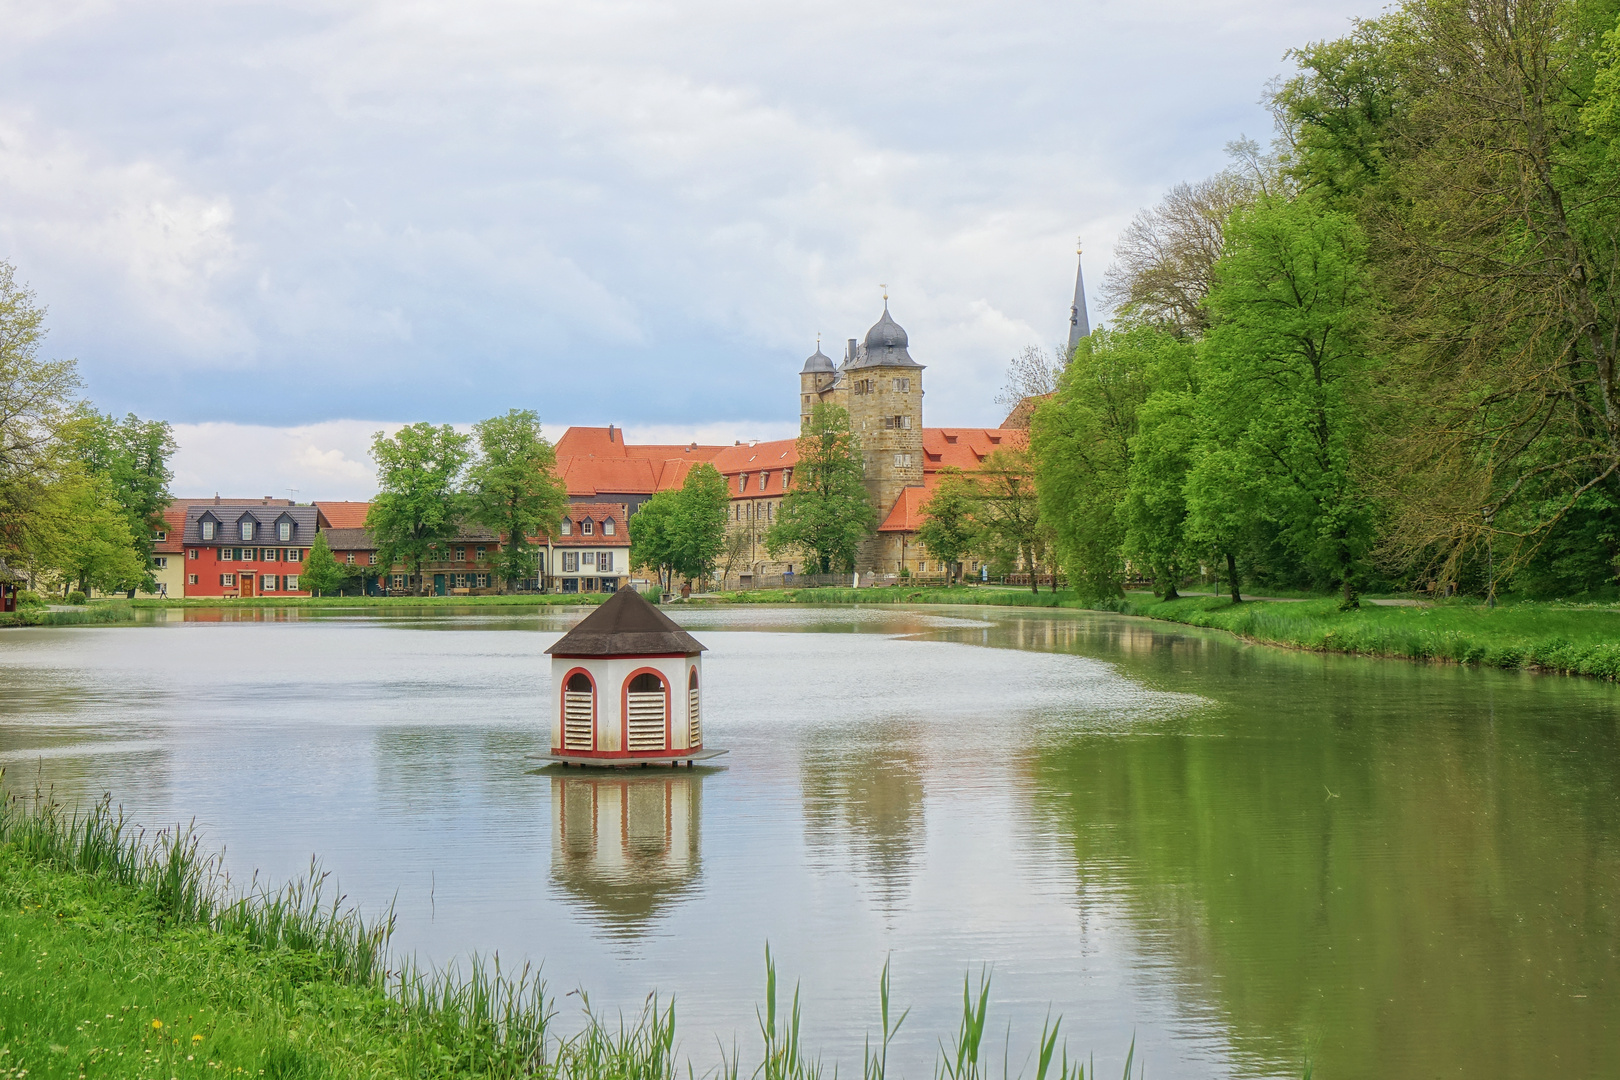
<point x="1007" y="510"/>
<point x="419" y="504"/>
<point x="654" y="536"/>
<point x="133" y="455"/>
<point x="38" y="399"/>
<point x="1285" y="378"/>
<point x="82" y="536"/>
<point x="1080" y="444"/>
<point x="949" y="529"/>
<point x="513" y="488"/>
<point x="827" y="513"/>
<point x="1163" y="452"/>
<point x="704" y="504"/>
<point x="682" y="530"/>
<point x="320" y="573"/>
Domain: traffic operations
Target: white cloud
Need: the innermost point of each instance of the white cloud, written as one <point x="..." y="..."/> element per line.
<point x="329" y="460"/>
<point x="441" y="211"/>
<point x="125" y="236"/>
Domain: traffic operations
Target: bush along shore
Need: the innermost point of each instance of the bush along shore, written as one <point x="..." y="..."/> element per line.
<point x="1570" y="639"/>
<point x="98" y="614"/>
<point x="128" y="955"/>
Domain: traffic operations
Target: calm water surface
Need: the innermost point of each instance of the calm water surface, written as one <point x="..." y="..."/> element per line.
<point x="1236" y="855"/>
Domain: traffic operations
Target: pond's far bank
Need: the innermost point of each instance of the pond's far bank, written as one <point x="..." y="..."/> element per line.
<point x="1534" y="636"/>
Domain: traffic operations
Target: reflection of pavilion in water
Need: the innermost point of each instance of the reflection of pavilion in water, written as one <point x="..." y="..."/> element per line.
<point x="626" y="846"/>
<point x="863" y="805"/>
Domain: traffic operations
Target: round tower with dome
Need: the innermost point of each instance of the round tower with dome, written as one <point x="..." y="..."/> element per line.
<point x="885" y="410"/>
<point x="817" y="374"/>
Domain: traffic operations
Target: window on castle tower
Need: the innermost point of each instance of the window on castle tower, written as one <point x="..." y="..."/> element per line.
<point x="903" y="385"/>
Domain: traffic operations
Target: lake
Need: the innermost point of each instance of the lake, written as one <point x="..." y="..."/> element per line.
<point x="1238" y="856"/>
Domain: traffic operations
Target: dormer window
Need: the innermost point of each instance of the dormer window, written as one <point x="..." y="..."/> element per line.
<point x="284" y="531"/>
<point x="567" y="527"/>
<point x="787" y="479"/>
<point x="607" y="527"/>
<point x="160" y="536"/>
<point x="764" y="480"/>
<point x="207" y="530"/>
<point x="587" y="526"/>
<point x="247" y="530"/>
<point x="742" y="482"/>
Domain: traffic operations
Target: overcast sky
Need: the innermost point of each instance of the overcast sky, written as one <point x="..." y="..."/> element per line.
<point x="283" y="226"/>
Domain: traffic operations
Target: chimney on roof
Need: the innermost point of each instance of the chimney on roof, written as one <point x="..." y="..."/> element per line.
<point x="693" y="446"/>
<point x="849" y="354"/>
<point x="610" y="433"/>
<point x="216" y="498"/>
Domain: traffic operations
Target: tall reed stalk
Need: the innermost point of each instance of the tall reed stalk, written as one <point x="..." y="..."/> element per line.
<point x="481" y="1022"/>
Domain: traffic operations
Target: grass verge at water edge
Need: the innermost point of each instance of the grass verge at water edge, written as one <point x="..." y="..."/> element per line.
<point x="128" y="955"/>
<point x="1569" y="639"/>
<point x="98" y="614"/>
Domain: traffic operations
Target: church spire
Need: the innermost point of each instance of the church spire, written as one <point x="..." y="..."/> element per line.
<point x="1079" y="321"/>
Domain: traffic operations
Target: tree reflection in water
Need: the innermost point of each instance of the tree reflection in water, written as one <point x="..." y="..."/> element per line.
<point x="626" y="845"/>
<point x="863" y="805"/>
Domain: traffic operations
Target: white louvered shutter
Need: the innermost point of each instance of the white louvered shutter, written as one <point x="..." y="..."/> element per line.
<point x="647" y="721"/>
<point x="694" y="727"/>
<point x="578" y="721"/>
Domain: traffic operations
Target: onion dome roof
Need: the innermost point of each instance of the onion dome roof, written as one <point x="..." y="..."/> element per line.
<point x="817" y="362"/>
<point x="885" y="345"/>
<point x="626" y="625"/>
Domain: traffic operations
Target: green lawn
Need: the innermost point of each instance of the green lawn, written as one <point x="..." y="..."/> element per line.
<point x="1572" y="639"/>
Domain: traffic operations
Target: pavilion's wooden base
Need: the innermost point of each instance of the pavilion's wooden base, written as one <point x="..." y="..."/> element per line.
<point x="587" y="762"/>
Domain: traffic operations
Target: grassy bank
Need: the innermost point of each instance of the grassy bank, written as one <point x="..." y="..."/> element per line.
<point x="518" y="600"/>
<point x="99" y="613"/>
<point x="1566" y="638"/>
<point x="129" y="956"/>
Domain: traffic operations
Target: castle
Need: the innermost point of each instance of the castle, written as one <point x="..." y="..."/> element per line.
<point x="880" y="385"/>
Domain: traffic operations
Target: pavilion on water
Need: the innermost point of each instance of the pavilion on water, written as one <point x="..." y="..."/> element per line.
<point x="627" y="689"/>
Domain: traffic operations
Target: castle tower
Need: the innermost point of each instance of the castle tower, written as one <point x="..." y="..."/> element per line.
<point x="817" y="374"/>
<point x="1079" y="321"/>
<point x="885" y="409"/>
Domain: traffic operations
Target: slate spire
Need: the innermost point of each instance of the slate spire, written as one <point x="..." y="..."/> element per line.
<point x="1079" y="321"/>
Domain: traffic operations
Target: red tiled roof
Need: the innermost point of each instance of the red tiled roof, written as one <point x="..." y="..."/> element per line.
<point x="174" y="520"/>
<point x="344" y="515"/>
<point x="966" y="448"/>
<point x="769" y="458"/>
<point x="906" y="514"/>
<point x="597" y="512"/>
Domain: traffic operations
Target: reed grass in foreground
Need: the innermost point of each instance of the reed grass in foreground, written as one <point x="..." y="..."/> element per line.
<point x="124" y="954"/>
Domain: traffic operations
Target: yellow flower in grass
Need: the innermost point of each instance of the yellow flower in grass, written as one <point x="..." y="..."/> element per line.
<point x="157" y="1025"/>
<point x="196" y="1038"/>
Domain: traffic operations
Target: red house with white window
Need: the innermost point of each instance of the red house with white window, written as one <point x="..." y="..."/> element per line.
<point x="252" y="550"/>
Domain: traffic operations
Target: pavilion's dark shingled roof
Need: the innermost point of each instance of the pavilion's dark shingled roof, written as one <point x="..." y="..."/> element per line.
<point x="626" y="625"/>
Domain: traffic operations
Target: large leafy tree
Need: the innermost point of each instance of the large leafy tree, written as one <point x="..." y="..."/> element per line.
<point x="513" y="489"/>
<point x="1080" y="443"/>
<point x="827" y="513"/>
<point x="949" y="529"/>
<point x="38" y="399"/>
<point x="1476" y="144"/>
<point x="82" y="537"/>
<point x="682" y="530"/>
<point x="419" y="504"/>
<point x="1007" y="511"/>
<point x="132" y="455"/>
<point x="1285" y="378"/>
<point x="1162" y="454"/>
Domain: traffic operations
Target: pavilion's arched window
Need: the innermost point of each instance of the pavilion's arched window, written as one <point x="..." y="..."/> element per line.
<point x="579" y="712"/>
<point x="694" y="725"/>
<point x="646" y="714"/>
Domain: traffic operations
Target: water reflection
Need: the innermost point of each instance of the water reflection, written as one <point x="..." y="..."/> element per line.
<point x="863" y="804"/>
<point x="626" y="846"/>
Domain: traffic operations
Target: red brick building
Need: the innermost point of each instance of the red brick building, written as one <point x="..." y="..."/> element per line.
<point x="255" y="549"/>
